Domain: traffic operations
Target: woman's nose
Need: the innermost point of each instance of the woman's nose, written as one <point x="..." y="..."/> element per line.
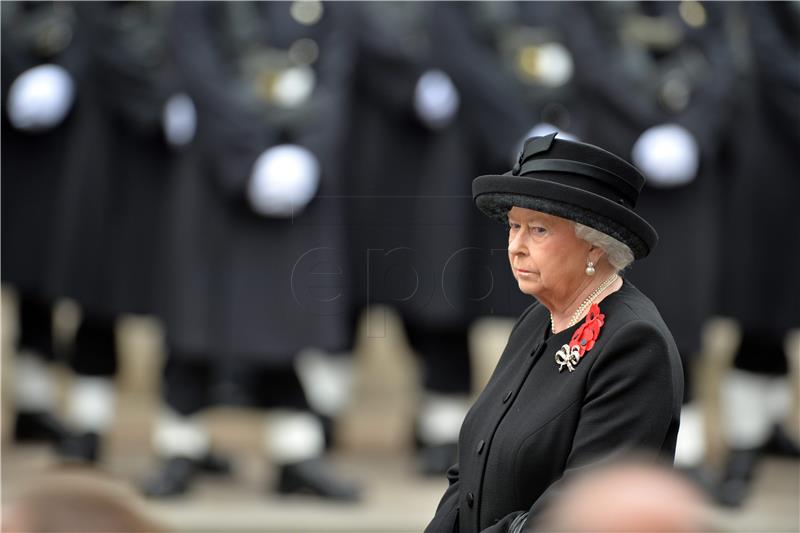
<point x="516" y="244"/>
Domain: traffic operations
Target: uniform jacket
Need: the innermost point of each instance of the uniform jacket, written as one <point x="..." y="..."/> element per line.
<point x="764" y="186"/>
<point x="107" y="219"/>
<point x="238" y="283"/>
<point x="408" y="184"/>
<point x="33" y="161"/>
<point x="534" y="425"/>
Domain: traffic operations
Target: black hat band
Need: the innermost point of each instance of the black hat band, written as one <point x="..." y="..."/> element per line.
<point x="601" y="181"/>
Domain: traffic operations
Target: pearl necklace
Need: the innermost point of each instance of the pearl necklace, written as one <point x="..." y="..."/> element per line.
<point x="581" y="310"/>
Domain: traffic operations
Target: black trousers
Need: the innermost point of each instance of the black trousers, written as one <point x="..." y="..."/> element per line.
<point x="94" y="351"/>
<point x="445" y="356"/>
<point x="194" y="382"/>
<point x="35" y="325"/>
<point x="762" y="352"/>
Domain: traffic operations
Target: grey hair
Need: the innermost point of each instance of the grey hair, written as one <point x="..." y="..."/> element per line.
<point x="618" y="253"/>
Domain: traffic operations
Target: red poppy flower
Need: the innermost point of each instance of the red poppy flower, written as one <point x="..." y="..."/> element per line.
<point x="586" y="335"/>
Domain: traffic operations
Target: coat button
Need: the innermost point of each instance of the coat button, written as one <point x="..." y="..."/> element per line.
<point x="508" y="396"/>
<point x="470" y="500"/>
<point x="480" y="447"/>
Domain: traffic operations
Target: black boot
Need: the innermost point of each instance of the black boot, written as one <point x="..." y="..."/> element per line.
<point x="215" y="464"/>
<point x="37" y="426"/>
<point x="702" y="477"/>
<point x="314" y="476"/>
<point x="782" y="443"/>
<point x="79" y="448"/>
<point x="328" y="430"/>
<point x="738" y="476"/>
<point x="173" y="478"/>
<point x="434" y="460"/>
<point x="175" y="475"/>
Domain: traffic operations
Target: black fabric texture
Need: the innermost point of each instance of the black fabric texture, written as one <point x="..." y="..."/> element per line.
<point x="95" y="349"/>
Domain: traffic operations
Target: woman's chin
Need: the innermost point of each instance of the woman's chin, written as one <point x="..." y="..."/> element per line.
<point x="527" y="286"/>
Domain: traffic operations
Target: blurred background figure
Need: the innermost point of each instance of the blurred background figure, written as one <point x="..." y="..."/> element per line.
<point x="627" y="497"/>
<point x="77" y="501"/>
<point x="406" y="217"/>
<point x="759" y="207"/>
<point x="108" y="215"/>
<point x="41" y="62"/>
<point x="252" y="263"/>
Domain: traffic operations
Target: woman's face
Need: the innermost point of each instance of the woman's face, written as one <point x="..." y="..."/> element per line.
<point x="547" y="258"/>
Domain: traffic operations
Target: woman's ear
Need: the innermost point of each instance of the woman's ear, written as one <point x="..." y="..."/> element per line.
<point x="596" y="254"/>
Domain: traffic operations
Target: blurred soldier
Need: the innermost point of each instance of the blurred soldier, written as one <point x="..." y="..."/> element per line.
<point x="761" y="243"/>
<point x="253" y="261"/>
<point x="108" y="216"/>
<point x="40" y="63"/>
<point x="657" y="79"/>
<point x="408" y="205"/>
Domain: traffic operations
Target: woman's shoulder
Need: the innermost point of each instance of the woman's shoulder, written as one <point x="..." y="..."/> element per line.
<point x="630" y="305"/>
<point x="635" y="332"/>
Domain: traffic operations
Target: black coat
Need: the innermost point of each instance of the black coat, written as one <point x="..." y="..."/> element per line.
<point x="238" y="283"/>
<point x="408" y="184"/>
<point x="33" y="162"/>
<point x="532" y="426"/>
<point x="107" y="221"/>
<point x="759" y="284"/>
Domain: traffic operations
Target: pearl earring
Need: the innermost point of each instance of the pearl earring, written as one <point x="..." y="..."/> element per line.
<point x="589" y="268"/>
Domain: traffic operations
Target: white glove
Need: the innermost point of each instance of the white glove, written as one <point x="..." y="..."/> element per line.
<point x="284" y="179"/>
<point x="179" y="120"/>
<point x="554" y="65"/>
<point x="668" y="155"/>
<point x="40" y="98"/>
<point x="293" y="87"/>
<point x="436" y="99"/>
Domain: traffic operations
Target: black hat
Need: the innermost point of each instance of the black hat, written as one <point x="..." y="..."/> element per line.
<point x="572" y="180"/>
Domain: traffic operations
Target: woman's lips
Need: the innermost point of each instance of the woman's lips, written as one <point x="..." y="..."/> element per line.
<point x="522" y="272"/>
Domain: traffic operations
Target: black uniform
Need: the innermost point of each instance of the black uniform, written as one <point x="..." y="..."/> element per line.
<point x="109" y="214"/>
<point x="408" y="191"/>
<point x="34" y="34"/>
<point x="533" y="426"/>
<point x="240" y="284"/>
<point x="758" y="276"/>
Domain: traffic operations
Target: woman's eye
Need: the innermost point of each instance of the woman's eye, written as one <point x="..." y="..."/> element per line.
<point x="538" y="230"/>
<point x="513" y="226"/>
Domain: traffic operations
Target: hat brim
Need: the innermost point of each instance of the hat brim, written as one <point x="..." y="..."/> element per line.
<point x="495" y="195"/>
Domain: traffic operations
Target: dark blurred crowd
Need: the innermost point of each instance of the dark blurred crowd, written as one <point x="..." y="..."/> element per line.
<point x="256" y="175"/>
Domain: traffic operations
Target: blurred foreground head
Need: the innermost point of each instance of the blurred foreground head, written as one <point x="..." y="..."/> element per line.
<point x="628" y="497"/>
<point x="76" y="501"/>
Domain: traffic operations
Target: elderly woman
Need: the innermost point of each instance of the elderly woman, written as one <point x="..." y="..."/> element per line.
<point x="590" y="370"/>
